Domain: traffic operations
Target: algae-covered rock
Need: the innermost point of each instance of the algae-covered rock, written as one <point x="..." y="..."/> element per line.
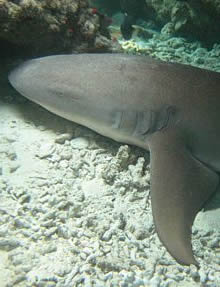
<point x="52" y="25"/>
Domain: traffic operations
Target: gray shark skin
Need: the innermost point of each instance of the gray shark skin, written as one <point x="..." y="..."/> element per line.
<point x="171" y="110"/>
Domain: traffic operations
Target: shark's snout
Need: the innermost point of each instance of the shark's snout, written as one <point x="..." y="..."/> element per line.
<point x="25" y="79"/>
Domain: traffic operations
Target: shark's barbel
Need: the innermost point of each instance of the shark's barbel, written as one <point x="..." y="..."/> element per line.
<point x="172" y="110"/>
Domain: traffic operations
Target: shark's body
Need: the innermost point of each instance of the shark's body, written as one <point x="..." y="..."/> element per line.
<point x="172" y="110"/>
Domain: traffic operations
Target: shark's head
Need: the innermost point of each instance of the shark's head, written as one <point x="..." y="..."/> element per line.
<point x="62" y="87"/>
<point x="45" y="82"/>
<point x="89" y="90"/>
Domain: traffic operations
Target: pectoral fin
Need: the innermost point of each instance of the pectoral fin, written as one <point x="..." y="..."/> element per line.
<point x="180" y="185"/>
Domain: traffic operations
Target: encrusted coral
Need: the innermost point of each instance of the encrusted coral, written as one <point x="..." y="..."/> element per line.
<point x="52" y="25"/>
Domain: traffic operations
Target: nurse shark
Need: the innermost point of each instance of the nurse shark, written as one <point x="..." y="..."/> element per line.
<point x="171" y="110"/>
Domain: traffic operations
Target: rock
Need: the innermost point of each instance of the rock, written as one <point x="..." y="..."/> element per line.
<point x="50" y="26"/>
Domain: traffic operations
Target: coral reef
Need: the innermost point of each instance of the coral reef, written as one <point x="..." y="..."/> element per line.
<point x="52" y="26"/>
<point x="193" y="19"/>
<point x="175" y="49"/>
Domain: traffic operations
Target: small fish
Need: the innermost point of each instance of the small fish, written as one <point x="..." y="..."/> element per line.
<point x="132" y="10"/>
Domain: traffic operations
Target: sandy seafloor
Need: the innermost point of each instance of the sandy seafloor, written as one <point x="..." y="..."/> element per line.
<point x="76" y="211"/>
